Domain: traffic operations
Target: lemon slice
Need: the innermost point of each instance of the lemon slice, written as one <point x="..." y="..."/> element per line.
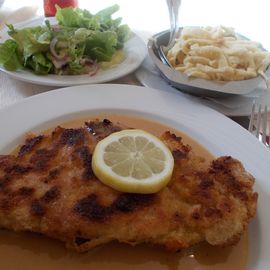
<point x="133" y="161"/>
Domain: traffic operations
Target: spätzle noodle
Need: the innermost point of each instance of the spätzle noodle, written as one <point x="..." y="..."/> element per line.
<point x="217" y="53"/>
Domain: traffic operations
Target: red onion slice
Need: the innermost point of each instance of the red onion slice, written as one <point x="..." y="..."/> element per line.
<point x="52" y="49"/>
<point x="95" y="69"/>
<point x="60" y="63"/>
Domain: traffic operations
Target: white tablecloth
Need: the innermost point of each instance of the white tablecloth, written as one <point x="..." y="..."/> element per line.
<point x="12" y="90"/>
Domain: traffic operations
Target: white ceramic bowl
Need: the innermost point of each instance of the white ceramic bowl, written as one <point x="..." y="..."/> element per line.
<point x="198" y="86"/>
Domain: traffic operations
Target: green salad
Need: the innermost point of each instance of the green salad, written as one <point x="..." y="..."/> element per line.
<point x="78" y="44"/>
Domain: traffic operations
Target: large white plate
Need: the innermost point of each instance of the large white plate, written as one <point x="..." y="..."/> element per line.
<point x="212" y="129"/>
<point x="135" y="51"/>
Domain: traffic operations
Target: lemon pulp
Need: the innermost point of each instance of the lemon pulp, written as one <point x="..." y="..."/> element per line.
<point x="133" y="161"/>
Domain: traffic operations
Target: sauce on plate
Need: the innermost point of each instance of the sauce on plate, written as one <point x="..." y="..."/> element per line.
<point x="35" y="252"/>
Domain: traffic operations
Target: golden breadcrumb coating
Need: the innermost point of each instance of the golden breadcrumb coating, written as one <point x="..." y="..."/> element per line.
<point x="49" y="188"/>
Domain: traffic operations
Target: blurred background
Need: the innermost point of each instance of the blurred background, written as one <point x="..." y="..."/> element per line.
<point x="248" y="17"/>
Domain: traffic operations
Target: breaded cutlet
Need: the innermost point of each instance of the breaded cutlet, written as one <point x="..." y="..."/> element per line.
<point x="49" y="187"/>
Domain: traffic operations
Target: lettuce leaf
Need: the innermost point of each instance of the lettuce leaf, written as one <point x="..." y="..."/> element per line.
<point x="101" y="45"/>
<point x="123" y="33"/>
<point x="101" y="21"/>
<point x="39" y="64"/>
<point x="76" y="18"/>
<point x="9" y="55"/>
<point x="31" y="40"/>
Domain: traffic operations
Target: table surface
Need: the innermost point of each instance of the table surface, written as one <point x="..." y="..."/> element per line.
<point x="12" y="90"/>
